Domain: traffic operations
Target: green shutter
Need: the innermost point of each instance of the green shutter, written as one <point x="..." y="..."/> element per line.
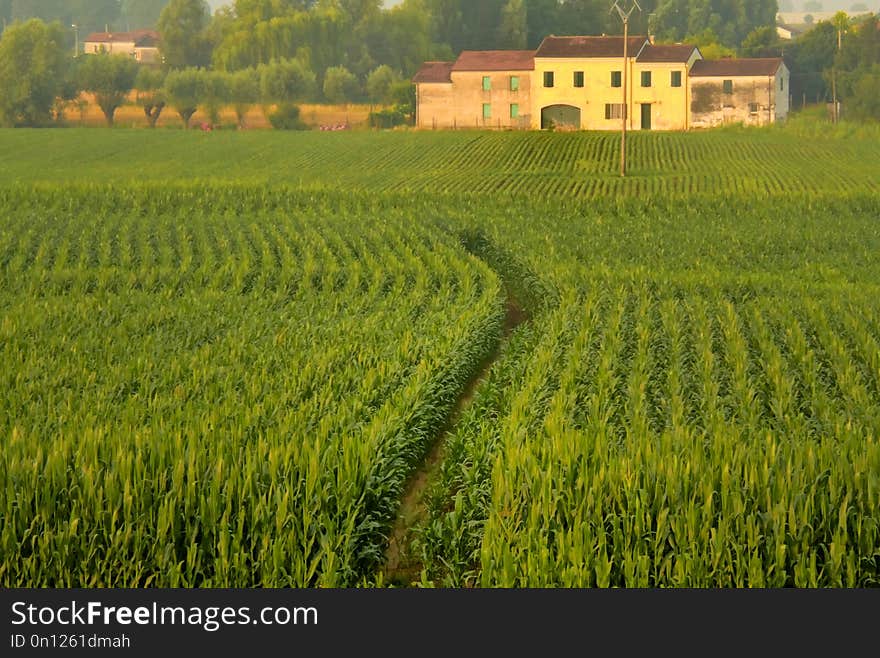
<point x="514" y="110"/>
<point x="676" y="78"/>
<point x="549" y="80"/>
<point x="616" y="79"/>
<point x="487" y="83"/>
<point x="514" y="83"/>
<point x="646" y="78"/>
<point x="728" y="86"/>
<point x="487" y="111"/>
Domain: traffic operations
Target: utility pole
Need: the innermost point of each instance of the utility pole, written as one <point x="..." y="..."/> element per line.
<point x="624" y="16"/>
<point x="840" y="22"/>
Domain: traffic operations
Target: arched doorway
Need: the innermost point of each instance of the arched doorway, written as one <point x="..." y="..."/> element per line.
<point x="561" y="116"/>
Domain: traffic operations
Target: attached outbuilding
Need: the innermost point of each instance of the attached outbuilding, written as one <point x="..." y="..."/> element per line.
<point x="753" y="92"/>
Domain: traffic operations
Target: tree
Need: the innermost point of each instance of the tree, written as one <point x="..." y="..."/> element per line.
<point x="380" y="82"/>
<point x="286" y="81"/>
<point x="213" y="93"/>
<point x="185" y="41"/>
<point x="138" y="14"/>
<point x="710" y="45"/>
<point x="32" y="72"/>
<point x="340" y="85"/>
<point x="808" y="58"/>
<point x="150" y="84"/>
<point x="864" y="103"/>
<point x="730" y="20"/>
<point x="182" y="91"/>
<point x="762" y="42"/>
<point x="110" y="78"/>
<point x="244" y="92"/>
<point x="513" y="31"/>
<point x="89" y="15"/>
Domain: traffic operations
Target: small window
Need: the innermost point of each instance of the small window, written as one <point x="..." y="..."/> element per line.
<point x="646" y="78"/>
<point x="549" y="79"/>
<point x="676" y="79"/>
<point x="487" y="83"/>
<point x="614" y="111"/>
<point x="514" y="110"/>
<point x="514" y="83"/>
<point x="616" y="78"/>
<point x="753" y="108"/>
<point x="578" y="79"/>
<point x="781" y="83"/>
<point x="487" y="110"/>
<point x="728" y="86"/>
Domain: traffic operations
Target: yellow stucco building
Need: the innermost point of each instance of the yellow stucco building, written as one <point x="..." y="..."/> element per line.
<point x="578" y="83"/>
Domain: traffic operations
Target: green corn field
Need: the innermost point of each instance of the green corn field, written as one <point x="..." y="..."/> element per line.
<point x="227" y="381"/>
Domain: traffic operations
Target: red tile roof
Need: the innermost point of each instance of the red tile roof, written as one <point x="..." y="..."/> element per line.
<point x="735" y="67"/>
<point x="139" y="37"/>
<point x="495" y="60"/>
<point x="667" y="53"/>
<point x="579" y="47"/>
<point x="434" y="72"/>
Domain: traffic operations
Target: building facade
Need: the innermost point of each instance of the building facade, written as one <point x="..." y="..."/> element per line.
<point x="754" y="92"/>
<point x="577" y="83"/>
<point x="481" y="89"/>
<point x="141" y="45"/>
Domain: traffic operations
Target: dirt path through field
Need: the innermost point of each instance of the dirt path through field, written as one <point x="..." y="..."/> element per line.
<point x="402" y="567"/>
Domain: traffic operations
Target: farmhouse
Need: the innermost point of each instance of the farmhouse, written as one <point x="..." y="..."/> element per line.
<point x="142" y="45"/>
<point x="577" y="83"/>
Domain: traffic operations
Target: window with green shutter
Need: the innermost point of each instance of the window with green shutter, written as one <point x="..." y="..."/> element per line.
<point x="578" y="79"/>
<point x="676" y="79"/>
<point x="514" y="110"/>
<point x="616" y="78"/>
<point x="487" y="83"/>
<point x="514" y="83"/>
<point x="549" y="79"/>
<point x="646" y="78"/>
<point x="487" y="111"/>
<point x="728" y="86"/>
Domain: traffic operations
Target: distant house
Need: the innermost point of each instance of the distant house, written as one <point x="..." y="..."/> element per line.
<point x="753" y="92"/>
<point x="790" y="32"/>
<point x="577" y="83"/>
<point x="142" y="45"/>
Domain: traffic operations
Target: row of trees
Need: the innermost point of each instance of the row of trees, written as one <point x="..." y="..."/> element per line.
<point x="38" y="81"/>
<point x="362" y="34"/>
<point x="844" y="52"/>
<point x="88" y="15"/>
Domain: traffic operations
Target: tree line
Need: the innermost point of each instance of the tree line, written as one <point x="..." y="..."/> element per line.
<point x="39" y="82"/>
<point x="356" y="50"/>
<point x="842" y="53"/>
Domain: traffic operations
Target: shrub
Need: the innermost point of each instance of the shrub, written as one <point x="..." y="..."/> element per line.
<point x="287" y="117"/>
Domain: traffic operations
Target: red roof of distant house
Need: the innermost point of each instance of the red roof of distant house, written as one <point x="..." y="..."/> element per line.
<point x="735" y="67"/>
<point x="667" y="53"/>
<point x="495" y="60"/>
<point x="434" y="72"/>
<point x="578" y="47"/>
<point x="143" y="38"/>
